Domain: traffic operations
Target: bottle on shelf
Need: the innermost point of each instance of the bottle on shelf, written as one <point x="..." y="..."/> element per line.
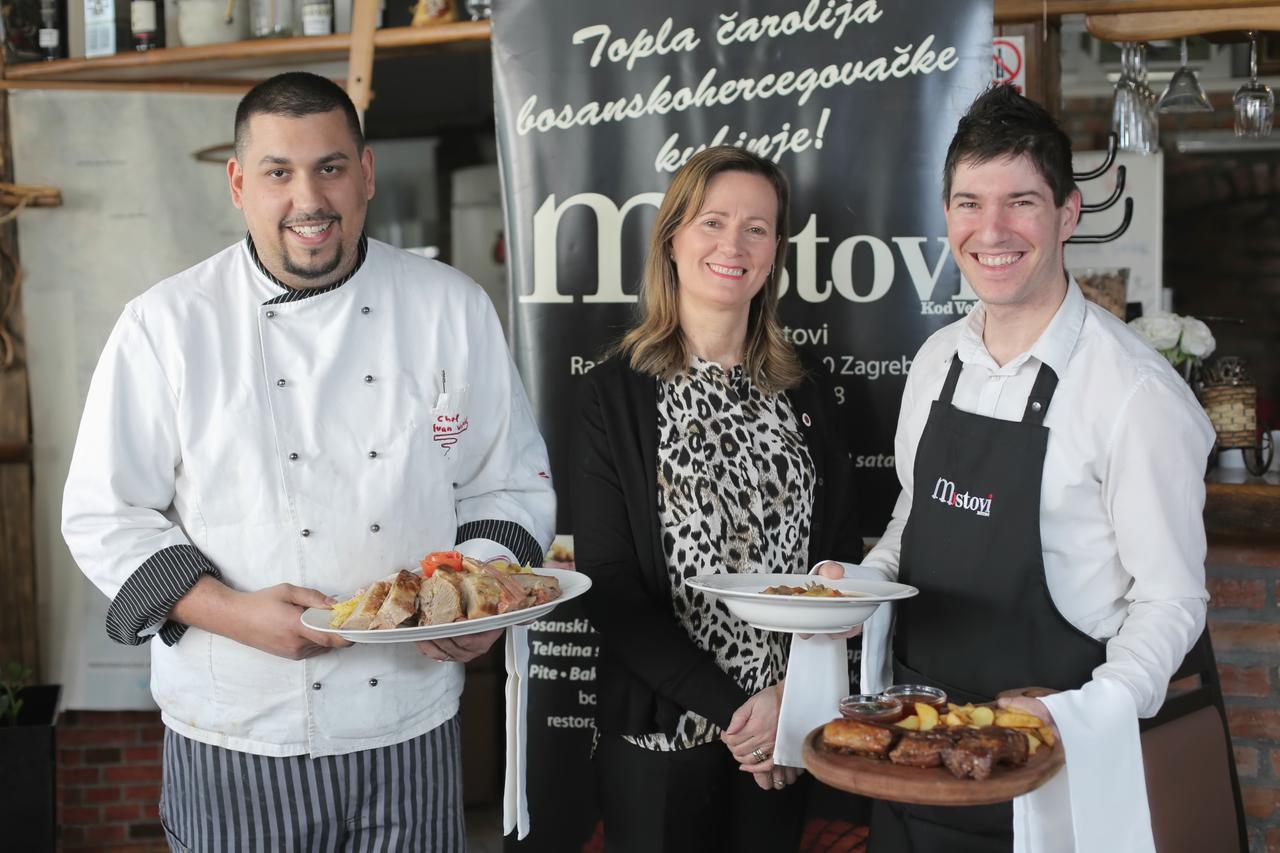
<point x="146" y="23"/>
<point x="50" y="35"/>
<point x="315" y="17"/>
<point x="271" y="18"/>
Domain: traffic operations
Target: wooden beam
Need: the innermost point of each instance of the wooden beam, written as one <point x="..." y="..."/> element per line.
<point x="1147" y="26"/>
<point x="1041" y="61"/>
<point x="14" y="452"/>
<point x="20" y="628"/>
<point x="1007" y="11"/>
<point x="190" y="87"/>
<point x="364" y="23"/>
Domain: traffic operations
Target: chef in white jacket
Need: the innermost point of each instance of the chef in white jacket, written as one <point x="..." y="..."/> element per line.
<point x="301" y="413"/>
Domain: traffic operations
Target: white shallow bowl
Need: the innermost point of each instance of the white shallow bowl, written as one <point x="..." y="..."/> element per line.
<point x="572" y="585"/>
<point x="744" y="596"/>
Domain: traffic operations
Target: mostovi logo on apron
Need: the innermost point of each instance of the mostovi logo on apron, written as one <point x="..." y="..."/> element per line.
<point x="945" y="492"/>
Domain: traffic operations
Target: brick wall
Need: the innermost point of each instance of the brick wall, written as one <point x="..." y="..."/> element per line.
<point x="109" y="767"/>
<point x="1244" y="580"/>
<point x="109" y="781"/>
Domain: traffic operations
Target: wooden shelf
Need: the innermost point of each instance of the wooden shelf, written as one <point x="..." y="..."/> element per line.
<point x="1149" y="26"/>
<point x="1034" y="10"/>
<point x="231" y="66"/>
<point x="216" y="65"/>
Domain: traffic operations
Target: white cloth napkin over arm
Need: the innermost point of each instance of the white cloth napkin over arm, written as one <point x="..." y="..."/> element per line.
<point x="515" y="799"/>
<point x="817" y="679"/>
<point x="1098" y="801"/>
<point x="877" y="657"/>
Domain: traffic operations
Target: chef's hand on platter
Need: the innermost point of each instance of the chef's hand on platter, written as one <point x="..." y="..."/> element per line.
<point x="753" y="727"/>
<point x="835" y="572"/>
<point x="1027" y="702"/>
<point x="268" y="619"/>
<point x="459" y="649"/>
<point x="273" y="619"/>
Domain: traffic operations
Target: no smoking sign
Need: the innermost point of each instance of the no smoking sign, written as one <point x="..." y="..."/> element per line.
<point x="1006" y="54"/>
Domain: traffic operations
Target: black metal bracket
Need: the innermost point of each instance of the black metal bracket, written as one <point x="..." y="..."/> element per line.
<point x="1110" y="202"/>
<point x="1107" y="238"/>
<point x="1092" y="174"/>
<point x="1112" y="144"/>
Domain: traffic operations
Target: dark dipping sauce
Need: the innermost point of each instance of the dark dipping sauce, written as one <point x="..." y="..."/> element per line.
<point x="872" y="709"/>
<point x="910" y="694"/>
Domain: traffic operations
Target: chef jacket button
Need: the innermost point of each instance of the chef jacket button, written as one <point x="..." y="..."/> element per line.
<point x="315" y="685"/>
<point x="373" y="454"/>
<point x="305" y="532"/>
<point x="820" y="481"/>
<point x="293" y="457"/>
<point x="280" y="383"/>
<point x="373" y="682"/>
<point x="270" y="314"/>
<point x="375" y="527"/>
<point x="368" y="378"/>
<point x="364" y="310"/>
<point x="1035" y="407"/>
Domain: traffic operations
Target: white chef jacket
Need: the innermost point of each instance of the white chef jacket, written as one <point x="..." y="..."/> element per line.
<point x="319" y="438"/>
<point x="1122" y="494"/>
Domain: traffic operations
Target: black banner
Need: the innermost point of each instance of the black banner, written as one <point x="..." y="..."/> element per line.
<point x="599" y="103"/>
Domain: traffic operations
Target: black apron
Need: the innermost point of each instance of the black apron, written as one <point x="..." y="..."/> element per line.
<point x="984" y="621"/>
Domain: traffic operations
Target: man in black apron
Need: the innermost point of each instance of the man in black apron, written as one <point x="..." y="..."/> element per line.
<point x="1052" y="516"/>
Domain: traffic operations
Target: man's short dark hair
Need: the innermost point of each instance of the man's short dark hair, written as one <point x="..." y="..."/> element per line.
<point x="1002" y="123"/>
<point x="295" y="94"/>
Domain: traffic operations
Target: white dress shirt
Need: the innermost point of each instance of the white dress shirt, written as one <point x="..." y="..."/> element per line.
<point x="1122" y="494"/>
<point x="322" y="439"/>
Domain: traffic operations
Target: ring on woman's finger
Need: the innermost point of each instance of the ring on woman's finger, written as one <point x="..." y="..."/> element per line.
<point x="779" y="783"/>
<point x="759" y="754"/>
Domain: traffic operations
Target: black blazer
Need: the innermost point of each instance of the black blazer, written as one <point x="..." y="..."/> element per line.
<point x="649" y="670"/>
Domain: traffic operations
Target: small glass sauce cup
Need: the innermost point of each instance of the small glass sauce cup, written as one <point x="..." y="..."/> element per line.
<point x="910" y="694"/>
<point x="869" y="708"/>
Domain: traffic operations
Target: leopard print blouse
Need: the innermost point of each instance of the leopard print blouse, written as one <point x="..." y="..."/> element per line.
<point x="735" y="494"/>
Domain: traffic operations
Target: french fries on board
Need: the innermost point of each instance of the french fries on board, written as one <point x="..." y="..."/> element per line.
<point x="927" y="718"/>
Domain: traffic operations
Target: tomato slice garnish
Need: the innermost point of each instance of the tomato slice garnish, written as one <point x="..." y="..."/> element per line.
<point x="451" y="560"/>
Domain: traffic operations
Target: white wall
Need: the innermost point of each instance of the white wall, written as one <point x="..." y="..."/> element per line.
<point x="137" y="207"/>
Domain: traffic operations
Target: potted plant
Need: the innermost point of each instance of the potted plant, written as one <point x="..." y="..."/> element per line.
<point x="27" y="758"/>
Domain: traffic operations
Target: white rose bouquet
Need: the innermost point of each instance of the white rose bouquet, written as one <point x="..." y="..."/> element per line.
<point x="1182" y="340"/>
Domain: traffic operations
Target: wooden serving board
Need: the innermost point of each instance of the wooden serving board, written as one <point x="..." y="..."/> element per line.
<point x="930" y="786"/>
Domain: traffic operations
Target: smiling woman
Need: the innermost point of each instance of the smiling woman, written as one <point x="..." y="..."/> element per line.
<point x="704" y="440"/>
<point x="725" y="252"/>
<point x="712" y="295"/>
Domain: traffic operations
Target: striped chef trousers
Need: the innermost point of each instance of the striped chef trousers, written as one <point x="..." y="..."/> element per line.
<point x="406" y="797"/>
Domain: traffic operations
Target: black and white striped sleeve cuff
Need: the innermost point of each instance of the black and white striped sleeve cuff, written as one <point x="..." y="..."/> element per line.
<point x="150" y="593"/>
<point x="508" y="534"/>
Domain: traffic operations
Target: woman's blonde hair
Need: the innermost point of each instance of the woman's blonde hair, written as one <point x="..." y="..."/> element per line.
<point x="656" y="344"/>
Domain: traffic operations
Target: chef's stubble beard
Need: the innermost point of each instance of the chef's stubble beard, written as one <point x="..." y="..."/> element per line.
<point x="313" y="276"/>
